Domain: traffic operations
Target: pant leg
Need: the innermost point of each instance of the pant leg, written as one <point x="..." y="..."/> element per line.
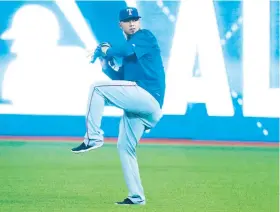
<point x="122" y="94"/>
<point x="130" y="131"/>
<point x="94" y="116"/>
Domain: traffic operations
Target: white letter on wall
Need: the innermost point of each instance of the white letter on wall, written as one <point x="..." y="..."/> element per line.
<point x="197" y="31"/>
<point x="259" y="100"/>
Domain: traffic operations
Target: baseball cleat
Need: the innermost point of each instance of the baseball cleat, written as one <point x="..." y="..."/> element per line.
<point x="85" y="148"/>
<point x="127" y="201"/>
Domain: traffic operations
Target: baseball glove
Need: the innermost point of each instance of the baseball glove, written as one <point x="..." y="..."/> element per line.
<point x="98" y="53"/>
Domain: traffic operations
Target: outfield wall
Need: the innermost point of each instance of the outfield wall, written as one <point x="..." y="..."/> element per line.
<point x="182" y="127"/>
<point x="45" y="77"/>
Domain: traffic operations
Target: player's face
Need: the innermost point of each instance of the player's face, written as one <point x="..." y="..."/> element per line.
<point x="131" y="26"/>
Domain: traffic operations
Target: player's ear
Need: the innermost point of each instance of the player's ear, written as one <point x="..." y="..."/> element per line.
<point x="120" y="24"/>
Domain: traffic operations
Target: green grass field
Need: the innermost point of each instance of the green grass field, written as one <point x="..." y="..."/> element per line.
<point x="42" y="176"/>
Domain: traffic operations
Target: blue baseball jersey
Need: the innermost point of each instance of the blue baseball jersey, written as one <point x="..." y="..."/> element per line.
<point x="141" y="63"/>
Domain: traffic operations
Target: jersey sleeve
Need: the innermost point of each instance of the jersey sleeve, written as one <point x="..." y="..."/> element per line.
<point x="124" y="50"/>
<point x="140" y="44"/>
<point x="143" y="43"/>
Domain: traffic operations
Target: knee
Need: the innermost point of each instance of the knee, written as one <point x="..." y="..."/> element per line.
<point x="95" y="87"/>
<point x="92" y="87"/>
<point x="99" y="84"/>
<point x="155" y="118"/>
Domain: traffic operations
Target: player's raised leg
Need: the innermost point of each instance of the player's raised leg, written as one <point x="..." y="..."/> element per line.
<point x="122" y="94"/>
<point x="130" y="132"/>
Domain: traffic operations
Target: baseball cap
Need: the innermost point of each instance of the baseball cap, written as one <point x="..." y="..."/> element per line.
<point x="128" y="14"/>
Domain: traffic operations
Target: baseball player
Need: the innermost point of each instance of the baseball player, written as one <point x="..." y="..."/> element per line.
<point x="137" y="87"/>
